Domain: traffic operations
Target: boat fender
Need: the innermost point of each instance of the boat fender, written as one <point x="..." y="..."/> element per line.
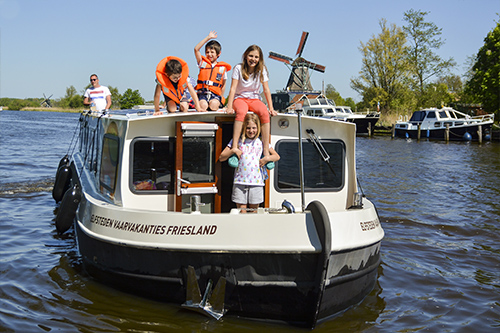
<point x="323" y="228"/>
<point x="407" y="135"/>
<point x="62" y="182"/>
<point x="67" y="210"/>
<point x="467" y="136"/>
<point x="487" y="137"/>
<point x="63" y="161"/>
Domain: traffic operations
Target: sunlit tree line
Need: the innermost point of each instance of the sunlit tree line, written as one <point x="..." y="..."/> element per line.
<point x="401" y="70"/>
<point x="74" y="100"/>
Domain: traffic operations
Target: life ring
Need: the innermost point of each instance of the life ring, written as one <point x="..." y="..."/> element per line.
<point x="62" y="181"/>
<point x="67" y="209"/>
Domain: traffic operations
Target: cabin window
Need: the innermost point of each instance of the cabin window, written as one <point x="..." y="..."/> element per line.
<point x="198" y="159"/>
<point x="418" y="116"/>
<point x="318" y="175"/>
<point x="431" y="114"/>
<point x="151" y="165"/>
<point x="109" y="162"/>
<point x="442" y="114"/>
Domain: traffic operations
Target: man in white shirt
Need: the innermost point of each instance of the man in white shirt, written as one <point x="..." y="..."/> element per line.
<point x="98" y="95"/>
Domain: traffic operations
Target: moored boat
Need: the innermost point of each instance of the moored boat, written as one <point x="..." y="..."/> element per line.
<point x="151" y="207"/>
<point x="445" y="124"/>
<point x="320" y="106"/>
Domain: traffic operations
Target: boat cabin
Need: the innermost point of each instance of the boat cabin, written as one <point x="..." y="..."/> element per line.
<point x="439" y="119"/>
<point x="161" y="162"/>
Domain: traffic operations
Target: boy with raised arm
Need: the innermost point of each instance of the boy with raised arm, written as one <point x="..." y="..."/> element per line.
<point x="212" y="78"/>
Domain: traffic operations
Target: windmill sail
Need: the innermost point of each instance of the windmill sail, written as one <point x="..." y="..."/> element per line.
<point x="299" y="79"/>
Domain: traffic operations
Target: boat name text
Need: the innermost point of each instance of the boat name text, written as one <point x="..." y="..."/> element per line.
<point x="154" y="229"/>
<point x="369" y="225"/>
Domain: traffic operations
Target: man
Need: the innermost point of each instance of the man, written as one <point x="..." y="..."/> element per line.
<point x="98" y="95"/>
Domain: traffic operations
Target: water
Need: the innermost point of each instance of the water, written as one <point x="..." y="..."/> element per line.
<point x="439" y="204"/>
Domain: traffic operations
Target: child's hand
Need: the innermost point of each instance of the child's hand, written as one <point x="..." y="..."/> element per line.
<point x="212" y="35"/>
<point x="237" y="152"/>
<point x="272" y="112"/>
<point x="229" y="110"/>
<point x="263" y="161"/>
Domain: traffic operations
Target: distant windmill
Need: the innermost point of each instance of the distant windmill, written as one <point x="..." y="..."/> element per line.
<point x="300" y="79"/>
<point x="46" y="101"/>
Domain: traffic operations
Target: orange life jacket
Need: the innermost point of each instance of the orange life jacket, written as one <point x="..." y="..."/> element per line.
<point x="210" y="77"/>
<point x="166" y="85"/>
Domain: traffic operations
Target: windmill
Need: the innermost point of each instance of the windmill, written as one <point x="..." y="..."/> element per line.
<point x="300" y="79"/>
<point x="46" y="101"/>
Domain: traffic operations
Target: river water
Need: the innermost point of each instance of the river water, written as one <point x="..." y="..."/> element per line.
<point x="439" y="204"/>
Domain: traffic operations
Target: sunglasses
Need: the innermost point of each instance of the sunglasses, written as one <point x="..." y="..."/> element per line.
<point x="93" y="80"/>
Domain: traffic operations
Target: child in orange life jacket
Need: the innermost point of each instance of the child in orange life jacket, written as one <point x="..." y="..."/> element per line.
<point x="172" y="79"/>
<point x="244" y="95"/>
<point x="213" y="74"/>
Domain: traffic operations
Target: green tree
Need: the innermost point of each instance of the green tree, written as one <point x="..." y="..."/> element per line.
<point x="436" y="95"/>
<point x="484" y="85"/>
<point x="423" y="62"/>
<point x="72" y="99"/>
<point x="333" y="94"/>
<point x="130" y="98"/>
<point x="384" y="68"/>
<point x="115" y="97"/>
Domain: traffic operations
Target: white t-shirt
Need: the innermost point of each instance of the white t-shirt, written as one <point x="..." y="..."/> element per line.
<point x="248" y="171"/>
<point x="98" y="96"/>
<point x="248" y="88"/>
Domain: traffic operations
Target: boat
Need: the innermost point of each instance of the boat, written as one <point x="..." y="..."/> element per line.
<point x="320" y="106"/>
<point x="445" y="124"/>
<point x="150" y="205"/>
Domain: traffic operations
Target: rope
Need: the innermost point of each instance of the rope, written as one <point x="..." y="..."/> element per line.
<point x="74" y="135"/>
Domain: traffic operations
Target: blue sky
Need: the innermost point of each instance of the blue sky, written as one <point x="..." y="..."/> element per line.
<point x="47" y="46"/>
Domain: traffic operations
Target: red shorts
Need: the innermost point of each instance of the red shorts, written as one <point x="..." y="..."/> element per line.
<point x="242" y="105"/>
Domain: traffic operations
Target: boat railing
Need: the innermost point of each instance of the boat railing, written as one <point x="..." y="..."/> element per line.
<point x="484" y="117"/>
<point x="369" y="112"/>
<point x="403" y="118"/>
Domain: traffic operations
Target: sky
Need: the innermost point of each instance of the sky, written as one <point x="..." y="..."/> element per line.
<point x="48" y="46"/>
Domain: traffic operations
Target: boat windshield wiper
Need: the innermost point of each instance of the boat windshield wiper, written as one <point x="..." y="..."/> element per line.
<point x="320" y="148"/>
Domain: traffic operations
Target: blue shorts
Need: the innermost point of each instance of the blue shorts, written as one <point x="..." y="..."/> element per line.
<point x="207" y="95"/>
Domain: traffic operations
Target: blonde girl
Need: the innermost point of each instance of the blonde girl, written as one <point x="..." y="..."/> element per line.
<point x="248" y="185"/>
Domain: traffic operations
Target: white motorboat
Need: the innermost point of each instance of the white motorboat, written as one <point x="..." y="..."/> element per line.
<point x="445" y="124"/>
<point x="321" y="106"/>
<point x="150" y="203"/>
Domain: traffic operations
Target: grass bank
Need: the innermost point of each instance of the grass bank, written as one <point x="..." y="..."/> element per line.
<point x="54" y="109"/>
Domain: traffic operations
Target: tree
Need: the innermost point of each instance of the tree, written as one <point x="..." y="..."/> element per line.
<point x="384" y="68"/>
<point x="484" y="84"/>
<point x="424" y="38"/>
<point x="115" y="97"/>
<point x="130" y="98"/>
<point x="333" y="94"/>
<point x="72" y="99"/>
